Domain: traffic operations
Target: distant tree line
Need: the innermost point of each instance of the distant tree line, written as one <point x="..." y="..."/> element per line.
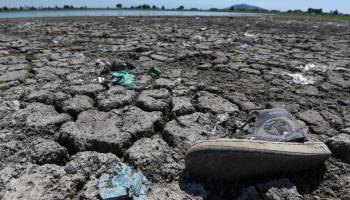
<point x="154" y="7"/>
<point x="315" y="11"/>
<point x="147" y="7"/>
<point x="65" y="7"/>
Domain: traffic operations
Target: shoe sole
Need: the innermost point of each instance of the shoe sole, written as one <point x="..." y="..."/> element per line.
<point x="233" y="158"/>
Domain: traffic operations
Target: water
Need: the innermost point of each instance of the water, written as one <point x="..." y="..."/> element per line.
<point x="65" y="13"/>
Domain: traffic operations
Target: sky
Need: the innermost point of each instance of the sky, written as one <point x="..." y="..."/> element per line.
<point x="327" y="5"/>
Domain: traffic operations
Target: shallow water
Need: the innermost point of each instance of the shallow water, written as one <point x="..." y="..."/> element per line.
<point x="64" y="13"/>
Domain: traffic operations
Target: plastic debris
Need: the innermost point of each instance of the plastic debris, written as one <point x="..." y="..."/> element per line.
<point x="203" y="28"/>
<point x="104" y="82"/>
<point x="198" y="38"/>
<point x="6" y="53"/>
<point x="313" y="68"/>
<point x="154" y="70"/>
<point x="274" y="125"/>
<point x="122" y="78"/>
<point x="123" y="182"/>
<point x="247" y="40"/>
<point x="244" y="46"/>
<point x="221" y="118"/>
<point x="246" y="34"/>
<point x="103" y="50"/>
<point x="300" y="79"/>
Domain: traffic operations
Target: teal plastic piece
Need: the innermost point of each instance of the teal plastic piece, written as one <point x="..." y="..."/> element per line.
<point x="123" y="182"/>
<point x="123" y="78"/>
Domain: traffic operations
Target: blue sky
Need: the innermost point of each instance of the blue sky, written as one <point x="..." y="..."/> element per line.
<point x="341" y="5"/>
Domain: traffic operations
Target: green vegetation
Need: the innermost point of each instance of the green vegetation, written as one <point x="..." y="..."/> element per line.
<point x="24" y="93"/>
<point x="2" y="82"/>
<point x="323" y="16"/>
<point x="31" y="57"/>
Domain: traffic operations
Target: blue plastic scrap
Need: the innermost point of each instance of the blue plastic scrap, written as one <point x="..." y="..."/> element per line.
<point x="122" y="78"/>
<point x="244" y="46"/>
<point x="123" y="182"/>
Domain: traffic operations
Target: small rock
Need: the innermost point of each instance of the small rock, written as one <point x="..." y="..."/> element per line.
<point x="40" y="117"/>
<point x="20" y="75"/>
<point x="332" y="118"/>
<point x="205" y="66"/>
<point x="278" y="190"/>
<point x="154" y="157"/>
<point x="215" y="103"/>
<point x="77" y="104"/>
<point x="159" y="57"/>
<point x="250" y="71"/>
<point x="142" y="82"/>
<point x="116" y="97"/>
<point x="316" y="122"/>
<point x="173" y="191"/>
<point x="154" y="100"/>
<point x="165" y="83"/>
<point x="197" y="126"/>
<point x="94" y="130"/>
<point x="307" y="91"/>
<point x="182" y="106"/>
<point x="220" y="58"/>
<point x="140" y="123"/>
<point x="340" y="146"/>
<point x="42" y="96"/>
<point x="243" y="102"/>
<point x="90" y="89"/>
<point x="44" y="151"/>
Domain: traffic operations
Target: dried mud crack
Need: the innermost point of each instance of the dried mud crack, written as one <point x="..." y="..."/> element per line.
<point x="60" y="129"/>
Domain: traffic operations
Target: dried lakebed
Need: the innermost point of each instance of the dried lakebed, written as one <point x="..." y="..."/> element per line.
<point x="60" y="129"/>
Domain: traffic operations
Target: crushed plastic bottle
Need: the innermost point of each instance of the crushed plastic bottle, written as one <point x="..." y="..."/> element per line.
<point x="123" y="182"/>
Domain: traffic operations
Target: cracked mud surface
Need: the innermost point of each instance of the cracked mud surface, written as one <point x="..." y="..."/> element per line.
<point x="67" y="129"/>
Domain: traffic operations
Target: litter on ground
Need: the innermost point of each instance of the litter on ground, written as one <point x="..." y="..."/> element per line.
<point x="122" y="78"/>
<point x="123" y="182"/>
<point x="273" y="142"/>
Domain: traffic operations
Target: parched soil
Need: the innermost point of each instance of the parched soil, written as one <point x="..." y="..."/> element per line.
<point x="60" y="129"/>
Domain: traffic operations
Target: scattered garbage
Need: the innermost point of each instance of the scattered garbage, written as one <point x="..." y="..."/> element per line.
<point x="247" y="40"/>
<point x="104" y="82"/>
<point x="103" y="50"/>
<point x="249" y="35"/>
<point x="300" y="79"/>
<point x="123" y="182"/>
<point x="274" y="125"/>
<point x="313" y="67"/>
<point x="118" y="71"/>
<point x="55" y="41"/>
<point x="122" y="78"/>
<point x="117" y="65"/>
<point x="244" y="46"/>
<point x="6" y="53"/>
<point x="198" y="38"/>
<point x="221" y="118"/>
<point x="154" y="70"/>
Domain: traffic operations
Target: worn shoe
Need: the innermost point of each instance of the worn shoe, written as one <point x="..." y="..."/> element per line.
<point x="233" y="158"/>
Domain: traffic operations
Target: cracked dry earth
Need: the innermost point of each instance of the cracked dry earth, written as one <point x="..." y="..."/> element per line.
<point x="69" y="129"/>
